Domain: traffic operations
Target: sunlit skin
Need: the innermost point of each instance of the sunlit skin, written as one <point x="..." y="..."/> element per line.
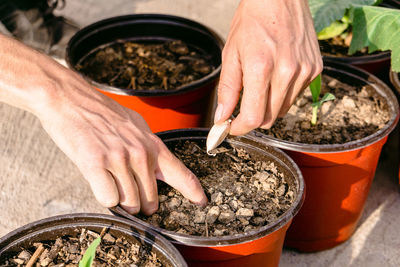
<point x="271" y="51"/>
<point x="112" y="146"/>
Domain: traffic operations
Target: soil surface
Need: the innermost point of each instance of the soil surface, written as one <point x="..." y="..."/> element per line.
<point x="244" y="194"/>
<point x="357" y="112"/>
<point x="339" y="47"/>
<point x="146" y="66"/>
<point x="67" y="251"/>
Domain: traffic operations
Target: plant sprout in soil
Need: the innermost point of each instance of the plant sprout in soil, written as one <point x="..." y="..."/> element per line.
<point x="90" y="253"/>
<point x="315" y="88"/>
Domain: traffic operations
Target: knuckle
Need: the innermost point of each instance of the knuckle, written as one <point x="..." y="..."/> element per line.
<point x="118" y="153"/>
<point x="223" y="87"/>
<point x="94" y="160"/>
<point x="156" y="140"/>
<point x="191" y="181"/>
<point x="259" y="66"/>
<point x="140" y="156"/>
<point x="287" y="69"/>
<point x="253" y="121"/>
<point x="307" y="69"/>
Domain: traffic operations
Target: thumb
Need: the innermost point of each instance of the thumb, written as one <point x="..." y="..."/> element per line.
<point x="229" y="87"/>
<point x="172" y="171"/>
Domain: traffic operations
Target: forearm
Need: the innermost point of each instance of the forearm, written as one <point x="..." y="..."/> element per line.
<point x="112" y="146"/>
<point x="33" y="81"/>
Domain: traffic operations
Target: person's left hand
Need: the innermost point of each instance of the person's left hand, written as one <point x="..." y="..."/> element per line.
<point x="273" y="53"/>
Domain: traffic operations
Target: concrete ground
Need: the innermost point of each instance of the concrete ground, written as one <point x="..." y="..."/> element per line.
<point x="37" y="180"/>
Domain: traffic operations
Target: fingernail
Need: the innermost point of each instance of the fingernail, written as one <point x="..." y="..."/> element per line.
<point x="218" y="113"/>
<point x="203" y="203"/>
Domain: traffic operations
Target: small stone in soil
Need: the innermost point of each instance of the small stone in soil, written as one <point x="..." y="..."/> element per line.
<point x="212" y="214"/>
<point x="244" y="213"/>
<point x="199" y="216"/>
<point x="226" y="216"/>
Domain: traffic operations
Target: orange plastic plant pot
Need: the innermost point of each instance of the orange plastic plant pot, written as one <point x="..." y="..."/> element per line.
<point x="337" y="188"/>
<point x="337" y="176"/>
<point x="183" y="107"/>
<point x="187" y="110"/>
<point x="265" y="251"/>
<point x="261" y="247"/>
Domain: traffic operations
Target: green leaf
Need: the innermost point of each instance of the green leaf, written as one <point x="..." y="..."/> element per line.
<point x="327" y="97"/>
<point x="325" y="12"/>
<point x="336" y="28"/>
<point x="90" y="253"/>
<point x="315" y="88"/>
<point x="377" y="28"/>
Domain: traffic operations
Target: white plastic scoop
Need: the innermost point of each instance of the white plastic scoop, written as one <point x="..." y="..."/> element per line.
<point x="217" y="135"/>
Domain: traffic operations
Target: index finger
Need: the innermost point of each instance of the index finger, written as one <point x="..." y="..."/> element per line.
<point x="172" y="171"/>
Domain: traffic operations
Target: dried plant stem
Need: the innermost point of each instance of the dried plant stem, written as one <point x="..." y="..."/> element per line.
<point x="206" y="229"/>
<point x="35" y="255"/>
<point x="165" y="82"/>
<point x="103" y="232"/>
<point x="132" y="84"/>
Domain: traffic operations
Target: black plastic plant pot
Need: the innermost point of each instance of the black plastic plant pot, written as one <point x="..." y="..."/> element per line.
<point x="186" y="106"/>
<point x="377" y="64"/>
<point x="395" y="80"/>
<point x="260" y="247"/>
<point x="50" y="229"/>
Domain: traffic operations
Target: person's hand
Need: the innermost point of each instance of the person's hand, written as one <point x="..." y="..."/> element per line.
<point x="273" y="53"/>
<point x="112" y="146"/>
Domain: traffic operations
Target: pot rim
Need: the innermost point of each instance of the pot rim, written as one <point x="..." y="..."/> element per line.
<point x="201" y="241"/>
<point x="382" y="55"/>
<point x="394" y="78"/>
<point x="140" y="18"/>
<point x="380" y="87"/>
<point x="69" y="220"/>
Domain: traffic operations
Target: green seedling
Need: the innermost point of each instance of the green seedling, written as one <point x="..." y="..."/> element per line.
<point x="90" y="253"/>
<point x="315" y="88"/>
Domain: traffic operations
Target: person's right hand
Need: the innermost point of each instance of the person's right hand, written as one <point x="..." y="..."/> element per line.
<point x="112" y="146"/>
<point x="272" y="53"/>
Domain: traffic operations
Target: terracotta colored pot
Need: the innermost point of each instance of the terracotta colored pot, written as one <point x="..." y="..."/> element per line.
<point x="187" y="106"/>
<point x="338" y="176"/>
<point x="57" y="226"/>
<point x="260" y="247"/>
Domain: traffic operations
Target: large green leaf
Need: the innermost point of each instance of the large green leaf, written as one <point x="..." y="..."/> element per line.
<point x="377" y="28"/>
<point x="324" y="12"/>
<point x="336" y="28"/>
